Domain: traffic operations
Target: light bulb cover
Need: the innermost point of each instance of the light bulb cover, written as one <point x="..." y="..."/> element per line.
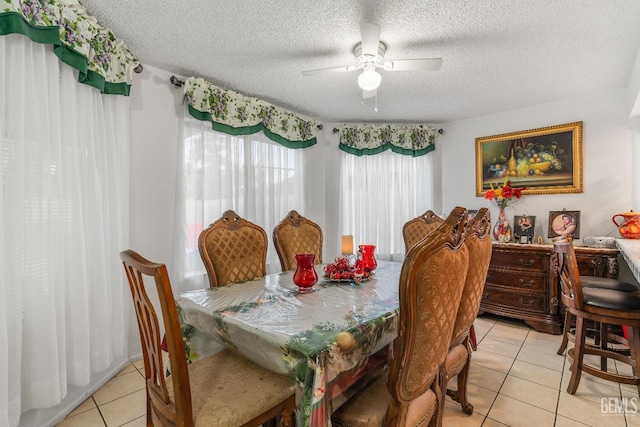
<point x="369" y="80"/>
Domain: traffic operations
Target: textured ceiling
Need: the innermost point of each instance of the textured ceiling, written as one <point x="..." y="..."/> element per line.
<point x="498" y="55"/>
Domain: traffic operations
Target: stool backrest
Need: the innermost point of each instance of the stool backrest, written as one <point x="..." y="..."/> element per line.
<point x="568" y="273"/>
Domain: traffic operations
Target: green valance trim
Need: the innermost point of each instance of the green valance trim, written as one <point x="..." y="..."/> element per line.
<point x="235" y="114"/>
<point x="382" y="148"/>
<point x="79" y="41"/>
<point x="369" y="139"/>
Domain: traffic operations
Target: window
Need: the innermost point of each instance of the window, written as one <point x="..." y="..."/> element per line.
<point x="256" y="177"/>
<point x="379" y="193"/>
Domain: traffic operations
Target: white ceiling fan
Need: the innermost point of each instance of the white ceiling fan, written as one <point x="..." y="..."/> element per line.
<point x="369" y="55"/>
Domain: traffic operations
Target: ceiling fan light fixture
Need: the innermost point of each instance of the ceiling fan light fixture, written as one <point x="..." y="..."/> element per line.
<point x="369" y="80"/>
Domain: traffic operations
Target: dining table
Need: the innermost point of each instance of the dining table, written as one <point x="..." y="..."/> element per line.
<point x="316" y="337"/>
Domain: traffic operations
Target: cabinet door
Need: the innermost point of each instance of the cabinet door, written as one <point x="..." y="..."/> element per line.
<point x="599" y="266"/>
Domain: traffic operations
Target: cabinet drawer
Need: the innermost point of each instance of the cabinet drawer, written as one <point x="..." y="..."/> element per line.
<point x="518" y="280"/>
<point x="514" y="301"/>
<point x="519" y="260"/>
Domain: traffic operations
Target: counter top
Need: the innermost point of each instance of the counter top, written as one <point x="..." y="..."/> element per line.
<point x="630" y="250"/>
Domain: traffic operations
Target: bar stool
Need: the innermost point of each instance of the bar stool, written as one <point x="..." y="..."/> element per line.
<point x="604" y="306"/>
<point x="600" y="283"/>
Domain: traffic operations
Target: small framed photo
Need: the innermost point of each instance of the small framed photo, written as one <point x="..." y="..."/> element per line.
<point x="564" y="223"/>
<point x="524" y="227"/>
<point x="471" y="213"/>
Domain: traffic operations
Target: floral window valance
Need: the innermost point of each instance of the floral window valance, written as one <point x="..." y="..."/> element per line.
<point x="235" y="114"/>
<point x="79" y="40"/>
<point x="371" y="139"/>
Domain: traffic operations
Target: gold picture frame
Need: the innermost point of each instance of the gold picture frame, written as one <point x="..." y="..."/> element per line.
<point x="545" y="160"/>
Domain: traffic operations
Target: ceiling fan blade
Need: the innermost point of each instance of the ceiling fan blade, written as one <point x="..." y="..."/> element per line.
<point x="370" y="38"/>
<point x="329" y="70"/>
<point x="369" y="93"/>
<point x="425" y="64"/>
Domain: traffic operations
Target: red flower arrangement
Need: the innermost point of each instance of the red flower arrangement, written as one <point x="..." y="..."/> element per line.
<point x="503" y="195"/>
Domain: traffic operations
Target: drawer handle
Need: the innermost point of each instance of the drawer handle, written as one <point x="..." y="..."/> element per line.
<point x="531" y="283"/>
<point x="486" y="295"/>
<point x="529" y="304"/>
<point x="526" y="264"/>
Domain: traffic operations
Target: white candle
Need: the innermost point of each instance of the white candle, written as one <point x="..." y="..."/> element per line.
<point x="347" y="245"/>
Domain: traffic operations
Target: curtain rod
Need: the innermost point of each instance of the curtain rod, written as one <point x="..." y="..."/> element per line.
<point x="176" y="82"/>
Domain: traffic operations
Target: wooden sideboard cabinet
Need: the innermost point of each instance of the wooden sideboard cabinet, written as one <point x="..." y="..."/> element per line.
<point x="522" y="282"/>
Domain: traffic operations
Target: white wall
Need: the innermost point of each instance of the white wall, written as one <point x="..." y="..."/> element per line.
<point x="611" y="142"/>
<point x="607" y="161"/>
<point x="156" y="107"/>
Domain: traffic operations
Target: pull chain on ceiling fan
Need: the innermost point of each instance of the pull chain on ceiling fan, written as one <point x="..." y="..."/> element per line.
<point x="369" y="55"/>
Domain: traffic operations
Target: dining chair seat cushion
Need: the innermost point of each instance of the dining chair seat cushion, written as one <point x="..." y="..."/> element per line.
<point x="369" y="406"/>
<point x="456" y="358"/>
<point x="606" y="283"/>
<point x="222" y="398"/>
<point x="611" y="299"/>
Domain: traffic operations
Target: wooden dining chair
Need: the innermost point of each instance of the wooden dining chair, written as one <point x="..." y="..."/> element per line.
<point x="418" y="228"/>
<point x="223" y="390"/>
<point x="604" y="306"/>
<point x="233" y="250"/>
<point x="297" y="235"/>
<point x="430" y="287"/>
<point x="478" y="242"/>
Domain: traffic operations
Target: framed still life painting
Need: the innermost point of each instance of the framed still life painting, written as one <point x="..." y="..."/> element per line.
<point x="545" y="160"/>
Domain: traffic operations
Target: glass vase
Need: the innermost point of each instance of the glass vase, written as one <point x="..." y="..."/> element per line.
<point x="368" y="259"/>
<point x="305" y="275"/>
<point x="502" y="229"/>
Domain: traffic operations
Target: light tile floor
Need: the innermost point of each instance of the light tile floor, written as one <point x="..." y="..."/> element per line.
<point x="516" y="379"/>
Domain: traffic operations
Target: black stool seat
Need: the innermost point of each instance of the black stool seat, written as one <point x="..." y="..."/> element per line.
<point x="611" y="299"/>
<point x="606" y="283"/>
<point x="590" y="282"/>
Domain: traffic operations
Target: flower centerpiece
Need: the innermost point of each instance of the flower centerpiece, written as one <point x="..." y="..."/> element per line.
<point x="503" y="195"/>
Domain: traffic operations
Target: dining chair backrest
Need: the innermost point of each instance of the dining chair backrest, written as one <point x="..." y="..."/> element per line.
<point x="163" y="408"/>
<point x="431" y="283"/>
<point x="233" y="250"/>
<point x="297" y="235"/>
<point x="478" y="242"/>
<point x="418" y="228"/>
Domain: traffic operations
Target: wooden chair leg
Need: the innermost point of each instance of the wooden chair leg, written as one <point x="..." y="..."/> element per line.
<point x="287" y="414"/>
<point x="604" y="345"/>
<point x="578" y="355"/>
<point x="467" y="407"/>
<point x="566" y="332"/>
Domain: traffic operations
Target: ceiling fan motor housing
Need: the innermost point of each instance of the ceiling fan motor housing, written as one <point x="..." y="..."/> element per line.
<point x="366" y="61"/>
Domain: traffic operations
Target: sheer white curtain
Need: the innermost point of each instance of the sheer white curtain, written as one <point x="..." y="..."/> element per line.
<point x="379" y="193"/>
<point x="63" y="221"/>
<point x="259" y="179"/>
